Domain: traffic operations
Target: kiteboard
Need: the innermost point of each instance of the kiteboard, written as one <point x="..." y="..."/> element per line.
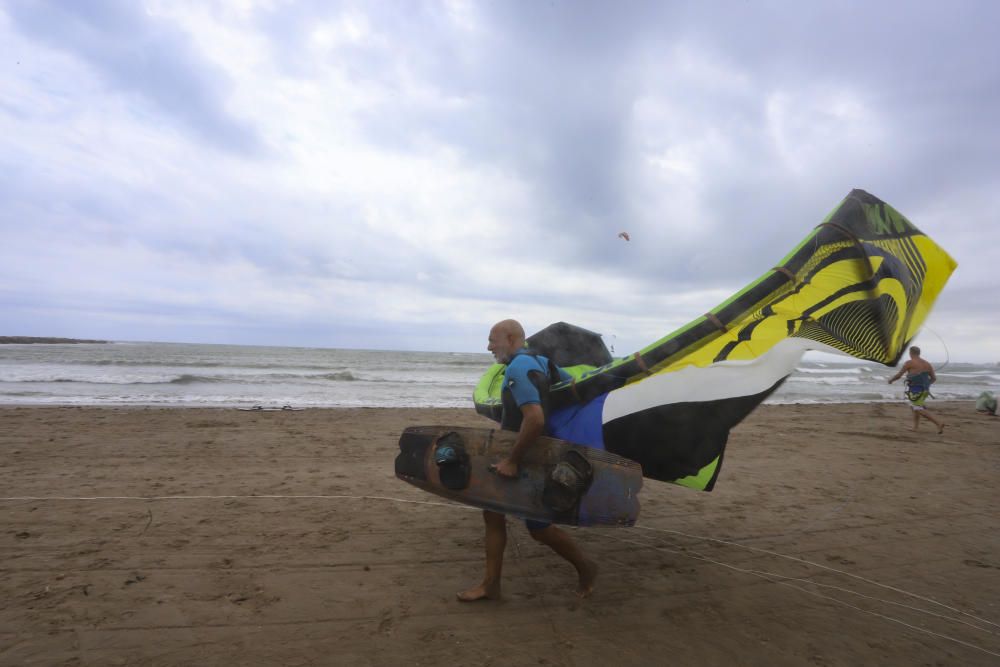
<point x="558" y="481"/>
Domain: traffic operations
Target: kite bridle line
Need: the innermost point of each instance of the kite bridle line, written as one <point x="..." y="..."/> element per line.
<point x="947" y="355"/>
<point x="470" y="508"/>
<point x="783" y="580"/>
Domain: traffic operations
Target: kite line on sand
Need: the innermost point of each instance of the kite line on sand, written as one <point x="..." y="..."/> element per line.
<point x="775" y="578"/>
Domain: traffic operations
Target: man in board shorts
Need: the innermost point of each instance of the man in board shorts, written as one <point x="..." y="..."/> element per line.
<point x="525" y="393"/>
<point x="919" y="378"/>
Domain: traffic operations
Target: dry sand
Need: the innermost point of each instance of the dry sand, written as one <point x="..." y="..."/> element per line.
<point x="834" y="537"/>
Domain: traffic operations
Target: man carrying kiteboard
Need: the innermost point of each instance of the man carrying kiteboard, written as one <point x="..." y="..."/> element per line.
<point x="919" y="378"/>
<point x="525" y="394"/>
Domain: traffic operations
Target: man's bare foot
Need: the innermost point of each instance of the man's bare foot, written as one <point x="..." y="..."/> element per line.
<point x="940" y="429"/>
<point x="587" y="578"/>
<point x="480" y="592"/>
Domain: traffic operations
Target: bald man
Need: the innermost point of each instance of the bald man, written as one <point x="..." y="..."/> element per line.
<point x="525" y="393"/>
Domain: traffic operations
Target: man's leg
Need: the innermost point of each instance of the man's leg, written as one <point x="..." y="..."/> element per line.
<point x="564" y="545"/>
<point x="496" y="542"/>
<point x="916" y="419"/>
<point x="940" y="425"/>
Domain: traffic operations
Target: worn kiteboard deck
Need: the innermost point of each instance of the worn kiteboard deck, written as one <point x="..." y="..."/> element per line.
<point x="558" y="481"/>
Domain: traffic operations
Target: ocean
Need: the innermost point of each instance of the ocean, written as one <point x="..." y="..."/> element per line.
<point x="176" y="374"/>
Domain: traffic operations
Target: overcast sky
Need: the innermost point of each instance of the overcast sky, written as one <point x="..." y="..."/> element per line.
<point x="403" y="174"/>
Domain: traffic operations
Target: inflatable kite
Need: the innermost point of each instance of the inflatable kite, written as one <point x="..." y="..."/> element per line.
<point x="862" y="283"/>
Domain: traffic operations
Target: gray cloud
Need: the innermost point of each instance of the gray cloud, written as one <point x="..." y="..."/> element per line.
<point x="717" y="135"/>
<point x="552" y="89"/>
<point x="140" y="56"/>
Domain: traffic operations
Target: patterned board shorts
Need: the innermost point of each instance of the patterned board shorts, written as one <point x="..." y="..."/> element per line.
<point x="917" y="400"/>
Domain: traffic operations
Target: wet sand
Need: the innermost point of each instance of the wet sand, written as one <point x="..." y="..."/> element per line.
<point x="835" y="536"/>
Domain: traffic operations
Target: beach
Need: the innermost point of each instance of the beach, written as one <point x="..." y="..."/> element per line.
<point x="213" y="536"/>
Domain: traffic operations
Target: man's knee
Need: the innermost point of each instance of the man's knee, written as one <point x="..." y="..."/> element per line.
<point x="543" y="535"/>
<point x="494" y="520"/>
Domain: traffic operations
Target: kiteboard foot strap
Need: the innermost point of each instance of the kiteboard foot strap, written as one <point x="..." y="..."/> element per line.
<point x="568" y="481"/>
<point x="452" y="461"/>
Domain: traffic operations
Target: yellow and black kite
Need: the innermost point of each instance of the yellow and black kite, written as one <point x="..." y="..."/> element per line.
<point x="861" y="283"/>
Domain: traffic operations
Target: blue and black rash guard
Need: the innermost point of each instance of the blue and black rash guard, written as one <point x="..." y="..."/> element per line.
<point x="527" y="380"/>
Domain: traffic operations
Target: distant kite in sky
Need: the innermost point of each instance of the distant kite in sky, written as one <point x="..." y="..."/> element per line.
<point x="624" y="235"/>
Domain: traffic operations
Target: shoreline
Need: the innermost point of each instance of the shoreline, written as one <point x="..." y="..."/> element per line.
<point x="834" y="536"/>
<point x="942" y="403"/>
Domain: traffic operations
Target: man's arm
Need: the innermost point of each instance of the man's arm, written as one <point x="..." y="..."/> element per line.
<point x="898" y="375"/>
<point x="532" y="426"/>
